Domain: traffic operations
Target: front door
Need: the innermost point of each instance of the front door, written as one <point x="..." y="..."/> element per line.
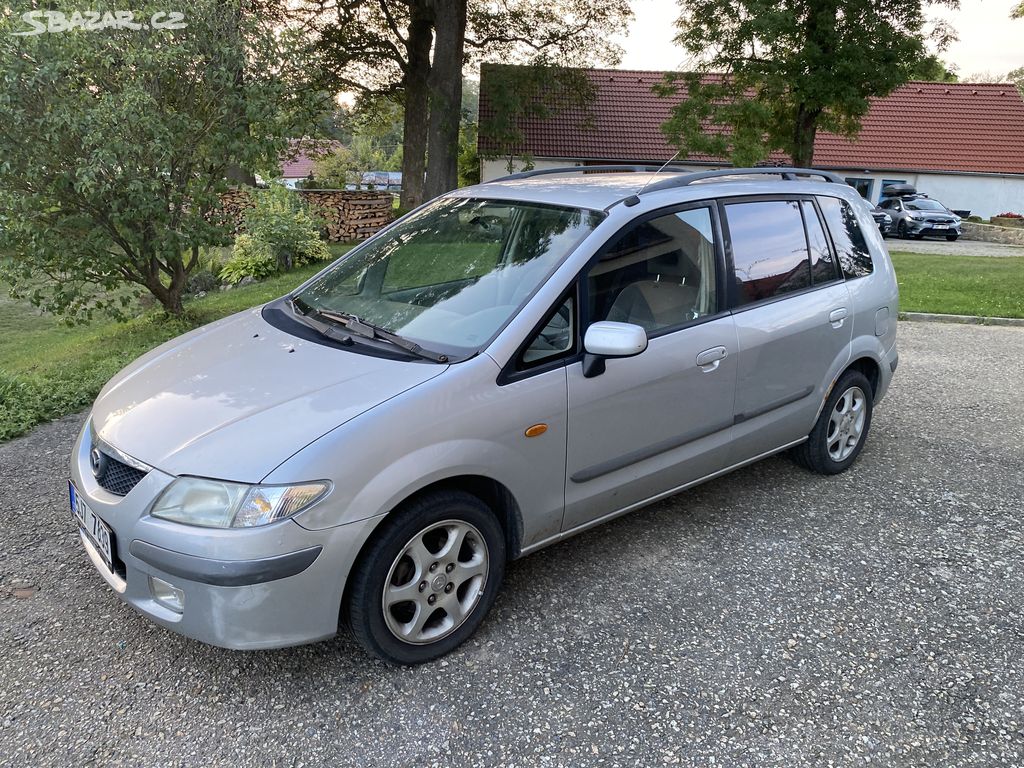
<point x="651" y="423"/>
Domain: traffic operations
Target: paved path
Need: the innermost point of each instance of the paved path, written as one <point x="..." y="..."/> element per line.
<point x="769" y="618"/>
<point x="960" y="248"/>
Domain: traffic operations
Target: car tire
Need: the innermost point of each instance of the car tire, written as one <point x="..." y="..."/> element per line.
<point x="952" y="238"/>
<point x="411" y="556"/>
<point x="919" y="237"/>
<point x="841" y="429"/>
<point x="901" y="231"/>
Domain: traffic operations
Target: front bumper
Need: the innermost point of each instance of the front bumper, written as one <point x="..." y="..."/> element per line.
<point x="266" y="587"/>
<point x="930" y="230"/>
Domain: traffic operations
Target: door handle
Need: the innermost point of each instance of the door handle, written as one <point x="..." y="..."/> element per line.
<point x="709" y="359"/>
<point x="837" y="316"/>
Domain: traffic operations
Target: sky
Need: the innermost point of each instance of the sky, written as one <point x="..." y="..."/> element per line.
<point x="990" y="42"/>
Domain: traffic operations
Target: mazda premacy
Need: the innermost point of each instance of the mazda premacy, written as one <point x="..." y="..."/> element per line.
<point x="504" y="367"/>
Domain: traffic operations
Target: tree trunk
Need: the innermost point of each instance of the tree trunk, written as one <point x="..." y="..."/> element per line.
<point x="805" y="130"/>
<point x="417" y="104"/>
<point x="446" y="97"/>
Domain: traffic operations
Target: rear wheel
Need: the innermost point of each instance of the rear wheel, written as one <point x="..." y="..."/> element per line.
<point x="427" y="579"/>
<point x="839" y="434"/>
<point x="901" y="231"/>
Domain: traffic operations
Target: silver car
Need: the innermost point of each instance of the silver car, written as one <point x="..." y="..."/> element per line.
<point x="506" y="366"/>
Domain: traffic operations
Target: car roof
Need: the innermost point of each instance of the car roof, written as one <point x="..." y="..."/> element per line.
<point x="599" y="191"/>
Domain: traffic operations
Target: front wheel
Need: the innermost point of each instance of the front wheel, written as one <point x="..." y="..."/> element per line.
<point x="427" y="579"/>
<point x="952" y="238"/>
<point x="839" y="434"/>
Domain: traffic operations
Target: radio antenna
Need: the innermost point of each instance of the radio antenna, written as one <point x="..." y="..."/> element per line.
<point x="635" y="198"/>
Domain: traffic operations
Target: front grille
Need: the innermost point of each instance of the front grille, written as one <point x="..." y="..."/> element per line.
<point x="117" y="477"/>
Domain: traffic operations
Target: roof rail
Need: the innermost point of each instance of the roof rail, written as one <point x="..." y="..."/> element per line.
<point x="592" y="169"/>
<point x="787" y="174"/>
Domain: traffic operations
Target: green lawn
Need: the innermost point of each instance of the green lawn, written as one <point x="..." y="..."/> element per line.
<point x="961" y="285"/>
<point x="48" y="370"/>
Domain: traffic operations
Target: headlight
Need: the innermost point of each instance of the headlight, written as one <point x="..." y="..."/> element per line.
<point x="219" y="504"/>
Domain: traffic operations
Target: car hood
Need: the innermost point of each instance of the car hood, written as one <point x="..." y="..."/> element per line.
<point x="234" y="399"/>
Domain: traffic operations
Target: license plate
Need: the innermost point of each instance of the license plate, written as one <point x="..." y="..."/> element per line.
<point x="99" y="533"/>
<point x="942" y="226"/>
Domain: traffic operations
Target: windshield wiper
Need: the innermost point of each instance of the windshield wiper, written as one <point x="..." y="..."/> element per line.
<point x="368" y="330"/>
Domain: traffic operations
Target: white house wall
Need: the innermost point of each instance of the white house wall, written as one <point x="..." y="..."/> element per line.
<point x="984" y="196"/>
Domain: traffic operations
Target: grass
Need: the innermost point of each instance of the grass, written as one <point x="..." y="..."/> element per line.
<point x="48" y="370"/>
<point x="961" y="285"/>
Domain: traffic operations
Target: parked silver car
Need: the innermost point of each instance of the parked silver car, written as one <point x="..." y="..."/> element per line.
<point x="504" y="367"/>
<point x="918" y="216"/>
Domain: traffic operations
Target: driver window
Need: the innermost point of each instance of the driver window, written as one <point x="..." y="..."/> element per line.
<point x="556" y="338"/>
<point x="658" y="274"/>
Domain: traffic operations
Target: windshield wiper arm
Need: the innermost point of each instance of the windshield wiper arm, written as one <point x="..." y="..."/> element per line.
<point x="368" y="330"/>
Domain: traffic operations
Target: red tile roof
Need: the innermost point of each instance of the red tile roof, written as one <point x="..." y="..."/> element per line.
<point x="967" y="127"/>
<point x="302" y="154"/>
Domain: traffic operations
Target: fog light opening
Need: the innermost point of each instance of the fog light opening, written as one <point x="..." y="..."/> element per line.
<point x="167" y="594"/>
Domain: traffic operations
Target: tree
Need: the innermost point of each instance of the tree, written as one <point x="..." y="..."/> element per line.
<point x="767" y="74"/>
<point x="336" y="170"/>
<point x="445" y="81"/>
<point x="380" y="49"/>
<point x="517" y="94"/>
<point x="933" y="69"/>
<point x="1016" y="76"/>
<point x="388" y="48"/>
<point x="115" y="145"/>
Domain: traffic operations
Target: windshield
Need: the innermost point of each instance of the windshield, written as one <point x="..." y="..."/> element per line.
<point x="451" y="276"/>
<point x="925" y="205"/>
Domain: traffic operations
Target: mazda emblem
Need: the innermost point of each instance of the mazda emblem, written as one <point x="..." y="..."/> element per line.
<point x="98" y="463"/>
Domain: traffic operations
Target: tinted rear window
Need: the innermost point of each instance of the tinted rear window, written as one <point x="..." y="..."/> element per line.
<point x="769" y="249"/>
<point x="851" y="245"/>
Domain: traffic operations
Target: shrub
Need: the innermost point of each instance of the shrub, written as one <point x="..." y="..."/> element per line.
<point x="279" y="219"/>
<point x="336" y="170"/>
<point x="251" y="257"/>
<point x="1009" y="215"/>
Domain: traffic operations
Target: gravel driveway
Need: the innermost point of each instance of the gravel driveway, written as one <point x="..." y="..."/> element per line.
<point x="768" y="618"/>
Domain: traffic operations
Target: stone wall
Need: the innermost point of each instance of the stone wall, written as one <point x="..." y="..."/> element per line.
<point x="347" y="215"/>
<point x="990" y="234"/>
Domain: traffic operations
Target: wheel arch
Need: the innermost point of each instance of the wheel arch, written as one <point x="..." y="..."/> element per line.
<point x="491" y="492"/>
<point x="870" y="368"/>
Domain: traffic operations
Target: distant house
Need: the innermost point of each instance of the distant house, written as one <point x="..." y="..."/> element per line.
<point x="302" y="154"/>
<point x="962" y="143"/>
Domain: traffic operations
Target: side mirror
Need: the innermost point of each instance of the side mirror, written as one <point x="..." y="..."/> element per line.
<point x="608" y="339"/>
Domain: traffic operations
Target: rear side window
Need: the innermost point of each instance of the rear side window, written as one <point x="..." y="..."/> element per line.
<point x="769" y="249"/>
<point x="851" y="245"/>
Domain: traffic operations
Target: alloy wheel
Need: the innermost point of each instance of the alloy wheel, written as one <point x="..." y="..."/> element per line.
<point x="846" y="424"/>
<point x="436" y="582"/>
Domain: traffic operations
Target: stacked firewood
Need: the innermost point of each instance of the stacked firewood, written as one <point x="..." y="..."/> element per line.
<point x="233" y="205"/>
<point x="350" y="215"/>
<point x="346" y="215"/>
